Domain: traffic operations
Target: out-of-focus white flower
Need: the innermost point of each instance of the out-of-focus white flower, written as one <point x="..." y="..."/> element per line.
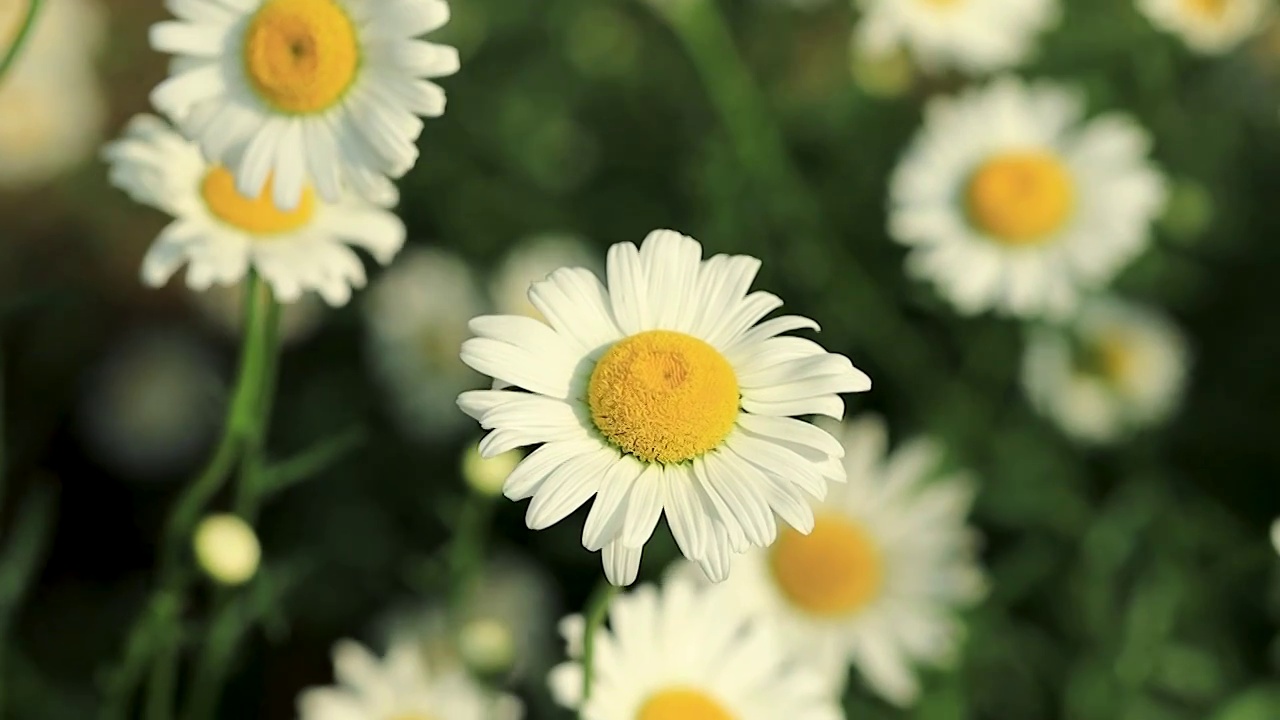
<point x="67" y="34"/>
<point x="884" y="74"/>
<point x="403" y="685"/>
<point x="487" y="475"/>
<point x="291" y="95"/>
<point x="1010" y="202"/>
<point x="153" y="403"/>
<point x="688" y="652"/>
<point x="51" y="119"/>
<point x="227" y="549"/>
<point x="220" y="234"/>
<point x="224" y="308"/>
<point x="509" y="612"/>
<point x="531" y="261"/>
<point x="1275" y="535"/>
<point x="1208" y="26"/>
<point x="1117" y="368"/>
<point x="416" y="318"/>
<point x="880" y="579"/>
<point x="631" y="388"/>
<point x="973" y="36"/>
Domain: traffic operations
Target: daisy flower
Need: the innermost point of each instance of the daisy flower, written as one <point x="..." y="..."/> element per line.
<point x="879" y="580"/>
<point x="530" y="261"/>
<point x="973" y="36"/>
<point x="305" y="93"/>
<point x="221" y="234"/>
<point x="1209" y="27"/>
<point x="1009" y="202"/>
<point x="1116" y="368"/>
<point x="683" y="652"/>
<point x="416" y="318"/>
<point x="661" y="392"/>
<point x="401" y="686"/>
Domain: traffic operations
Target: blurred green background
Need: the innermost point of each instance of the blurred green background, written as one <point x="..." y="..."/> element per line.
<point x="1132" y="583"/>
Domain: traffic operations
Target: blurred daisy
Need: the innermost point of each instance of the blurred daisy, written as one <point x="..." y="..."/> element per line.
<point x="1275" y="535"/>
<point x="51" y="119"/>
<point x="1117" y="368"/>
<point x="67" y="34"/>
<point x="416" y="318"/>
<point x="531" y="261"/>
<point x="294" y="94"/>
<point x="879" y="580"/>
<point x="683" y="653"/>
<point x="1009" y="202"/>
<point x="401" y="686"/>
<point x="224" y="308"/>
<point x="152" y="405"/>
<point x="1207" y="26"/>
<point x="974" y="36"/>
<point x="663" y="392"/>
<point x="221" y="234"/>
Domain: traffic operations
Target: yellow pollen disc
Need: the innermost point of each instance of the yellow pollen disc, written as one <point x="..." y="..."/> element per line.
<point x="1020" y="198"/>
<point x="1213" y="9"/>
<point x="259" y="215"/>
<point x="1115" y="357"/>
<point x="301" y="55"/>
<point x="682" y="704"/>
<point x="833" y="571"/>
<point x="663" y="396"/>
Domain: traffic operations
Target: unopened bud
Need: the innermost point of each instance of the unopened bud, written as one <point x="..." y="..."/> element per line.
<point x="227" y="549"/>
<point x="486" y="646"/>
<point x="486" y="475"/>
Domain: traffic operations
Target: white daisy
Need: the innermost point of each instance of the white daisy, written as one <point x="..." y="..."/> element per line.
<point x="401" y="686"/>
<point x="1009" y="202"/>
<point x="221" y="234"/>
<point x="322" y="93"/>
<point x="1208" y="26"/>
<point x="974" y="36"/>
<point x="1116" y="368"/>
<point x="879" y="580"/>
<point x="686" y="653"/>
<point x="416" y="319"/>
<point x="51" y="119"/>
<point x="662" y="392"/>
<point x="532" y="260"/>
<point x="152" y="405"/>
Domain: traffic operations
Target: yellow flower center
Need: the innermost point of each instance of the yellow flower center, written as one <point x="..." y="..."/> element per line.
<point x="1020" y="198"/>
<point x="301" y="55"/>
<point x="1115" y="357"/>
<point x="663" y="396"/>
<point x="833" y="571"/>
<point x="682" y="704"/>
<point x="259" y="215"/>
<point x="1212" y="9"/>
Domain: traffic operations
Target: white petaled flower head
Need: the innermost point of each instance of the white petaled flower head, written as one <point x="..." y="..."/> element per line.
<point x="973" y="36"/>
<point x="685" y="652"/>
<point x="221" y="234"/>
<point x="305" y="93"/>
<point x="879" y="581"/>
<point x="530" y="261"/>
<point x="416" y="318"/>
<point x="664" y="391"/>
<point x="1209" y="27"/>
<point x="1118" y="367"/>
<point x="1010" y="202"/>
<point x="403" y="685"/>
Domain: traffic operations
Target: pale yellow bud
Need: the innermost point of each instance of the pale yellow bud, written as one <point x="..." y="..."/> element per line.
<point x="227" y="549"/>
<point x="486" y="475"/>
<point x="486" y="646"/>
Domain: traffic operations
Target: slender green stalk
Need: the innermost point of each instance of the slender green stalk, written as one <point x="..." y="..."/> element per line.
<point x="225" y="629"/>
<point x="24" y="32"/>
<point x="597" y="606"/>
<point x="466" y="552"/>
<point x="3" y="457"/>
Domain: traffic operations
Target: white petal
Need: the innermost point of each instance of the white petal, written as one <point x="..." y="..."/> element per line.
<point x="609" y="508"/>
<point x="568" y="487"/>
<point x="621" y="563"/>
<point x="628" y="289"/>
<point x="532" y="471"/>
<point x="644" y="507"/>
<point x="689" y="524"/>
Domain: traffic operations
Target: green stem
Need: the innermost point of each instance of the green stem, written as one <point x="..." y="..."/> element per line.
<point x="20" y="39"/>
<point x="466" y="552"/>
<point x="146" y="638"/>
<point x="215" y="658"/>
<point x="597" y="606"/>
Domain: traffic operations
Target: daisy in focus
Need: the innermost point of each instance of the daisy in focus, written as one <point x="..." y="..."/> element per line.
<point x="1009" y="202"/>
<point x="881" y="577"/>
<point x="416" y="318"/>
<point x="220" y="234"/>
<point x="305" y="93"/>
<point x="973" y="36"/>
<point x="532" y="260"/>
<point x="401" y="686"/>
<point x="681" y="652"/>
<point x="664" y="391"/>
<point x="1210" y="27"/>
<point x="1117" y="368"/>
